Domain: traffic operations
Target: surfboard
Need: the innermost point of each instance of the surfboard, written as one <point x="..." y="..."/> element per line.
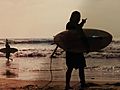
<point x="72" y="41"/>
<point x="12" y="50"/>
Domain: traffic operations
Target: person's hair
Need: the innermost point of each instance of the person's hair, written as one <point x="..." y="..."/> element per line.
<point x="75" y="17"/>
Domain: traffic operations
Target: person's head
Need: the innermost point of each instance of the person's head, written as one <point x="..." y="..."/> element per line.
<point x="75" y="17"/>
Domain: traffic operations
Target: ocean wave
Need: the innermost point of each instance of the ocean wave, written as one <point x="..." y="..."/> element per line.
<point x="60" y="54"/>
<point x="27" y="41"/>
<point x="111" y="51"/>
<point x="28" y="53"/>
<point x="32" y="53"/>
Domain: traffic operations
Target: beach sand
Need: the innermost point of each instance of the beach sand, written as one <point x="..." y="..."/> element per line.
<point x="34" y="74"/>
<point x="11" y="84"/>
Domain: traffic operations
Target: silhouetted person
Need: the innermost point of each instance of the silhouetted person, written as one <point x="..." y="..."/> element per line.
<point x="7" y="52"/>
<point x="73" y="59"/>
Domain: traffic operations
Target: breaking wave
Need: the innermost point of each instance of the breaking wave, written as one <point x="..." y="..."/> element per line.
<point x="111" y="51"/>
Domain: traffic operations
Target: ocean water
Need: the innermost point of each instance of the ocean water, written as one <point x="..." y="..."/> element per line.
<point x="32" y="61"/>
<point x="44" y="47"/>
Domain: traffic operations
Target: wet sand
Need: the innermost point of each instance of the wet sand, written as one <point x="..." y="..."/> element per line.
<point x="34" y="74"/>
<point x="11" y="84"/>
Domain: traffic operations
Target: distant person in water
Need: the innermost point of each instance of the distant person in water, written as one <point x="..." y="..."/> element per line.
<point x="7" y="51"/>
<point x="76" y="60"/>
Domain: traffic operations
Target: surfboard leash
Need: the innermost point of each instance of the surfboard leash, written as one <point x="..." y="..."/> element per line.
<point x="51" y="75"/>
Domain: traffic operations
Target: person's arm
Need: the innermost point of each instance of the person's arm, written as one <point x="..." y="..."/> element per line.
<point x="85" y="40"/>
<point x="82" y="23"/>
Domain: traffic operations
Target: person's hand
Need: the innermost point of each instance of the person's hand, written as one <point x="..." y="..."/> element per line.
<point x="84" y="20"/>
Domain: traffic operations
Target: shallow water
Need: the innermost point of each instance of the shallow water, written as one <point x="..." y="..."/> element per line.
<point x="32" y="62"/>
<point x="38" y="69"/>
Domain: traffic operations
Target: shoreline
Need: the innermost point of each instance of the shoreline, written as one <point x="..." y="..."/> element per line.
<point x="101" y="74"/>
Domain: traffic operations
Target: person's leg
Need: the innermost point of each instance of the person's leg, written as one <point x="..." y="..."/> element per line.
<point x="68" y="77"/>
<point x="7" y="62"/>
<point x="82" y="76"/>
<point x="8" y="56"/>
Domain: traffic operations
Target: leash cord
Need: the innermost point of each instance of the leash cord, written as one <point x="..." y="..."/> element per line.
<point x="51" y="75"/>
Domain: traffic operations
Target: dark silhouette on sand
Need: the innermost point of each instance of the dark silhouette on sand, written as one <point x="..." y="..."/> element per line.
<point x="76" y="60"/>
<point x="10" y="74"/>
<point x="73" y="59"/>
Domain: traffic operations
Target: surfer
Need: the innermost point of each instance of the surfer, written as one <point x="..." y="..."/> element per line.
<point x="76" y="60"/>
<point x="7" y="52"/>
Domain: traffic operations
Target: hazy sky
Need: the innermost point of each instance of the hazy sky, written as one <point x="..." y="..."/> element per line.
<point x="45" y="18"/>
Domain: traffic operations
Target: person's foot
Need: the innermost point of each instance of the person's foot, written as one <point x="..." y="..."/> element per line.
<point x="83" y="86"/>
<point x="68" y="88"/>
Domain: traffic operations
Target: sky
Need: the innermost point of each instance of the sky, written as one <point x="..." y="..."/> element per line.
<point x="46" y="18"/>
